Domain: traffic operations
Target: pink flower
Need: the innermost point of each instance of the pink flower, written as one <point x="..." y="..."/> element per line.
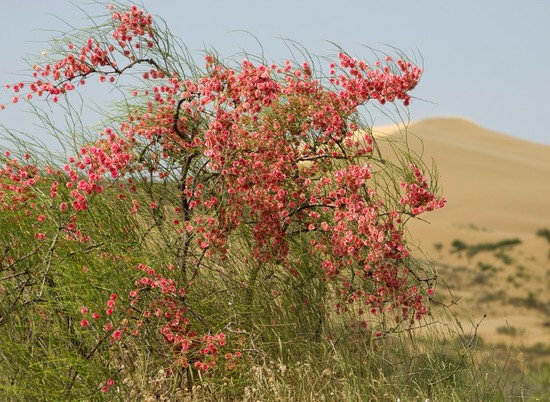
<point x="117" y="334"/>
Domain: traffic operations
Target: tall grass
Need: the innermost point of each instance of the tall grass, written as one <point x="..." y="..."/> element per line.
<point x="295" y="348"/>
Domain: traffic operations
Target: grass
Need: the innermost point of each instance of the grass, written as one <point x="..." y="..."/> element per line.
<point x="509" y="330"/>
<point x="471" y="250"/>
<point x="293" y="350"/>
<point x="488" y="268"/>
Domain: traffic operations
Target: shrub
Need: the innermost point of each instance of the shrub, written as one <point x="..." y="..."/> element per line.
<point x="222" y="201"/>
<point x="458" y="246"/>
<point x="544" y="233"/>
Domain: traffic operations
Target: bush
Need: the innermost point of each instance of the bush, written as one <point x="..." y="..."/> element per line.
<point x="221" y="204"/>
<point x="544" y="233"/>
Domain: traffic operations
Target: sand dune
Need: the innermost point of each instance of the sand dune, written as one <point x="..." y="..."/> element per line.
<point x="498" y="188"/>
<point x="490" y="179"/>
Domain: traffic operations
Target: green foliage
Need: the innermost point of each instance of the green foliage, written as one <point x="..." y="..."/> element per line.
<point x="292" y="333"/>
<point x="505" y="258"/>
<point x="458" y="246"/>
<point x="294" y="349"/>
<point x="472" y="250"/>
<point x="544" y="233"/>
<point x="509" y="330"/>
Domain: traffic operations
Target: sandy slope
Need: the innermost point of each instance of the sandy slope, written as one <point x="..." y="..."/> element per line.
<point x="498" y="188"/>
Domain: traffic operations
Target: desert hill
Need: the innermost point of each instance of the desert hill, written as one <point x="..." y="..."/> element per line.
<point x="484" y="243"/>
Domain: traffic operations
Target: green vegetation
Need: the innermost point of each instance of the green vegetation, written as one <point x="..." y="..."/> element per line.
<point x="46" y="355"/>
<point x="225" y="237"/>
<point x="485" y="267"/>
<point x="544" y="233"/>
<point x="458" y="246"/>
<point x="509" y="330"/>
<point x="471" y="250"/>
<point x="505" y="258"/>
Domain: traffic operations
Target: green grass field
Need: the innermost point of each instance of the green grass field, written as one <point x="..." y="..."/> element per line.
<point x="293" y="348"/>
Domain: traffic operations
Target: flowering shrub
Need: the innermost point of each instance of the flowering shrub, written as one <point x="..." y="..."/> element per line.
<point x="267" y="162"/>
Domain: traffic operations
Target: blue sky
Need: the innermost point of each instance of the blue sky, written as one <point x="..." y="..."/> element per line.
<point x="485" y="60"/>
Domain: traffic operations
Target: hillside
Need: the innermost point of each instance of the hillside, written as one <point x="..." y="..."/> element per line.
<point x="484" y="242"/>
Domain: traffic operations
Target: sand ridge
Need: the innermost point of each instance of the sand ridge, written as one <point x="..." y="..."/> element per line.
<point x="498" y="190"/>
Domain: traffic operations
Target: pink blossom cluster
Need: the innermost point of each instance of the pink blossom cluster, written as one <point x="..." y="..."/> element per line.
<point x="16" y="181"/>
<point x="132" y="23"/>
<point x="116" y="331"/>
<point x="63" y="76"/>
<point x="270" y="147"/>
<point x="91" y="57"/>
<point x="418" y="195"/>
<point x="364" y="82"/>
<point x="188" y="345"/>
